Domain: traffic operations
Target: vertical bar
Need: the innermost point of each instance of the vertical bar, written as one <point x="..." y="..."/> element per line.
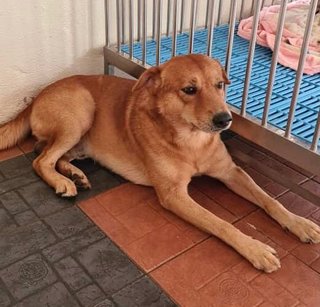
<point x="210" y="29"/>
<point x="274" y="61"/>
<point x="154" y="19"/>
<point x="241" y="9"/>
<point x="106" y="9"/>
<point x="250" y="57"/>
<point x="219" y="12"/>
<point x="159" y="21"/>
<point x="124" y="18"/>
<point x="303" y="54"/>
<point x="119" y="26"/>
<point x="192" y="24"/>
<point x="232" y="26"/>
<point x="139" y="20"/>
<point x="263" y="3"/>
<point x="130" y="29"/>
<point x="181" y="15"/>
<point x="168" y="17"/>
<point x="144" y="32"/>
<point x="316" y="135"/>
<point x="252" y="7"/>
<point x="209" y="3"/>
<point x="174" y="30"/>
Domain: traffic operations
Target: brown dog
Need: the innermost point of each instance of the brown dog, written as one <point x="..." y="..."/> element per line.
<point x="159" y="131"/>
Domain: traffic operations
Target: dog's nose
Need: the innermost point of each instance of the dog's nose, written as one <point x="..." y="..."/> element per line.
<point x="222" y="120"/>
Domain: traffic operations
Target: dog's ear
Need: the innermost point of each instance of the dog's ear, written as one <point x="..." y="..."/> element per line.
<point x="225" y="77"/>
<point x="150" y="79"/>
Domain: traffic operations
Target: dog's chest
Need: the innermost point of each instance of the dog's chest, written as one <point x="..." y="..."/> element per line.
<point x="198" y="153"/>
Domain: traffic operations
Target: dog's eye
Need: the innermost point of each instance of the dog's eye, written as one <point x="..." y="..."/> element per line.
<point x="220" y="85"/>
<point x="190" y="90"/>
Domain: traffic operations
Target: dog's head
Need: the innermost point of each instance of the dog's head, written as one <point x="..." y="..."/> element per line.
<point x="190" y="90"/>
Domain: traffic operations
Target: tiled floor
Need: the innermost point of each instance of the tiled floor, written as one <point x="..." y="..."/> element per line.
<point x="51" y="253"/>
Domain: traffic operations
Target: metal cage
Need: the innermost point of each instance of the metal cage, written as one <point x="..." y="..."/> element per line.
<point x="141" y="33"/>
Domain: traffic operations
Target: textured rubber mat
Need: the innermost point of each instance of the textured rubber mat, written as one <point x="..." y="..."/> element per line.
<point x="309" y="98"/>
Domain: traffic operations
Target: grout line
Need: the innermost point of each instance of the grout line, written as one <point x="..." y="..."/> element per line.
<point x="177" y="255"/>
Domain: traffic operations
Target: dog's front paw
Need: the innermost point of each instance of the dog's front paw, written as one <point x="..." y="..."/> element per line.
<point x="262" y="256"/>
<point x="66" y="188"/>
<point x="306" y="230"/>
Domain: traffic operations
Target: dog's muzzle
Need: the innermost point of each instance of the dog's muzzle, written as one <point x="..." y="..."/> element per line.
<point x="222" y="120"/>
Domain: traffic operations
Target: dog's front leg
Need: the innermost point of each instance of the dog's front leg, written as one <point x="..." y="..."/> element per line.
<point x="241" y="183"/>
<point x="176" y="199"/>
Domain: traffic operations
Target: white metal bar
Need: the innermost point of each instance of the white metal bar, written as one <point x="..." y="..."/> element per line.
<point x="107" y="17"/>
<point x="219" y="12"/>
<point x="192" y="24"/>
<point x="154" y="19"/>
<point x="241" y="9"/>
<point x="250" y="57"/>
<point x="210" y="28"/>
<point x="139" y="21"/>
<point x="144" y="32"/>
<point x="174" y="30"/>
<point x="303" y="55"/>
<point x="252" y="7"/>
<point x="168" y="17"/>
<point x="232" y="26"/>
<point x="316" y="135"/>
<point x="181" y="15"/>
<point x="159" y="23"/>
<point x="119" y="18"/>
<point x="123" y="10"/>
<point x="131" y="29"/>
<point x="208" y="10"/>
<point x="274" y="62"/>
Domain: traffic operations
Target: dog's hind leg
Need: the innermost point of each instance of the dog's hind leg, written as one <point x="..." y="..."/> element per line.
<point x="75" y="174"/>
<point x="45" y="163"/>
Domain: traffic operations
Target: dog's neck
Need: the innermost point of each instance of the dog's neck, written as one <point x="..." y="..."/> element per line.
<point x="177" y="133"/>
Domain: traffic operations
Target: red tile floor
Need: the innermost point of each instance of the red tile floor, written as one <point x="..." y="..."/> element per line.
<point x="196" y="269"/>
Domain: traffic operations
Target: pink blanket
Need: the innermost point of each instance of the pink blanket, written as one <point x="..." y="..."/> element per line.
<point x="292" y="37"/>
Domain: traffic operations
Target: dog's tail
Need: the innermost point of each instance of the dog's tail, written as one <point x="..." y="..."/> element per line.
<point x="15" y="130"/>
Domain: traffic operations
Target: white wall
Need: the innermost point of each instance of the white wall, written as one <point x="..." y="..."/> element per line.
<point x="45" y="40"/>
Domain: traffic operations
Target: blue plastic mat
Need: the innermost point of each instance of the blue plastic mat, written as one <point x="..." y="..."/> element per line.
<point x="309" y="98"/>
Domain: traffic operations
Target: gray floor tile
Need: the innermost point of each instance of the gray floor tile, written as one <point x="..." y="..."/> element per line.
<point x="68" y="222"/>
<point x="105" y="303"/>
<point x="108" y="266"/>
<point x="72" y="274"/>
<point x="143" y="293"/>
<point x="90" y="296"/>
<point x="55" y="295"/>
<point x="15" y="167"/>
<point x="27" y="276"/>
<point x="2" y="178"/>
<point x="70" y="245"/>
<point x="6" y="222"/>
<point x="16" y="182"/>
<point x="13" y="202"/>
<point x="24" y="241"/>
<point x="30" y="247"/>
<point x="43" y="199"/>
<point x="4" y="298"/>
<point x="26" y="217"/>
